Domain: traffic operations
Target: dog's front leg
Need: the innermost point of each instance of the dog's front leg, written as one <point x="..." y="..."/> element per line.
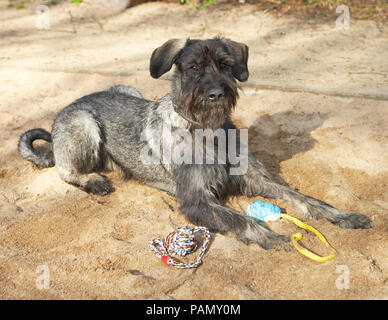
<point x="201" y="207"/>
<point x="258" y="182"/>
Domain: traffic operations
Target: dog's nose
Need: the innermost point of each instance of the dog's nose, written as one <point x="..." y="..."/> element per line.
<point x="215" y="94"/>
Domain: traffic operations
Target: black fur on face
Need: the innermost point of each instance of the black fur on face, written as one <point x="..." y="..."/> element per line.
<point x="204" y="85"/>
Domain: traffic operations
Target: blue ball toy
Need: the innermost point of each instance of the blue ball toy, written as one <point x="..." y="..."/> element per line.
<point x="263" y="211"/>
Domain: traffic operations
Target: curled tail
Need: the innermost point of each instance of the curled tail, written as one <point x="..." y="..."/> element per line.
<point x="27" y="151"/>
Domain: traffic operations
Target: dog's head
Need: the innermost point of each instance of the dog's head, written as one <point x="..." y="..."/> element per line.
<point x="204" y="84"/>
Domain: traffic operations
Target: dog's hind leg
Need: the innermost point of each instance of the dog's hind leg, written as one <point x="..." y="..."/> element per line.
<point x="77" y="147"/>
<point x="258" y="182"/>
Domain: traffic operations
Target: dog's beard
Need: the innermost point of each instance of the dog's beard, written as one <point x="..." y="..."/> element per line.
<point x="211" y="115"/>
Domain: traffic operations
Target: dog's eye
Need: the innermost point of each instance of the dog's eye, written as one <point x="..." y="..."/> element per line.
<point x="224" y="66"/>
<point x="195" y="67"/>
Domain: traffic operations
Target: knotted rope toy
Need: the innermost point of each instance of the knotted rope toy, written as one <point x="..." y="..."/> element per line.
<point x="265" y="211"/>
<point x="180" y="242"/>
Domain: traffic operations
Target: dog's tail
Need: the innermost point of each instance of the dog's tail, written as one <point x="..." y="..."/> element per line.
<point x="27" y="151"/>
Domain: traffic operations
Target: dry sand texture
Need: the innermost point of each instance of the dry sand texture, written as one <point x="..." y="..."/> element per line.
<point x="316" y="132"/>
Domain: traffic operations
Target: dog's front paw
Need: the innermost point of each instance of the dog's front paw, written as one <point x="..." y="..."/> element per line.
<point x="266" y="238"/>
<point x="353" y="221"/>
<point x="98" y="185"/>
<point x="276" y="241"/>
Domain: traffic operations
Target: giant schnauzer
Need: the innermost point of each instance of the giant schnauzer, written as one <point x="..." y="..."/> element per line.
<point x="112" y="129"/>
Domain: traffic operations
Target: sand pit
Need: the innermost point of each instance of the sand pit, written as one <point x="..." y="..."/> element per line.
<point x="309" y="122"/>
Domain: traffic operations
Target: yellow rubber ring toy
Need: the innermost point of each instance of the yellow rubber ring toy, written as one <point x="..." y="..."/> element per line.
<point x="298" y="236"/>
<point x="266" y="211"/>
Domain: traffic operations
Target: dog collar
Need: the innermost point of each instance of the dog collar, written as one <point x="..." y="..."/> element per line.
<point x="184" y="117"/>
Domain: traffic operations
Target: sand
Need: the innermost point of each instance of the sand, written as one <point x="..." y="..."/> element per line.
<point x="309" y="123"/>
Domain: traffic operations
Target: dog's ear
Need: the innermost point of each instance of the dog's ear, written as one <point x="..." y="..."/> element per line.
<point x="164" y="57"/>
<point x="240" y="53"/>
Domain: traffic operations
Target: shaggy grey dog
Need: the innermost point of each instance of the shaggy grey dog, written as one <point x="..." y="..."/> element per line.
<point x="114" y="127"/>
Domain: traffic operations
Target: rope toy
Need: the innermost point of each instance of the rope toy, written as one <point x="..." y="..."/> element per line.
<point x="265" y="211"/>
<point x="180" y="243"/>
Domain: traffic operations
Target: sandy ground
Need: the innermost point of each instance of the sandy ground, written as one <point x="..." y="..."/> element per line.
<point x="330" y="147"/>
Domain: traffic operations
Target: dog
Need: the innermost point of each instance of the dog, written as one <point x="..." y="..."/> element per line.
<point x="112" y="128"/>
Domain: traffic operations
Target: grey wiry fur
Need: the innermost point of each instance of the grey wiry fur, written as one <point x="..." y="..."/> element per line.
<point x="28" y="152"/>
<point x="116" y="125"/>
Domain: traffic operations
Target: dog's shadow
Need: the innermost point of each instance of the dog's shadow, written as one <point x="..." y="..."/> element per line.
<point x="278" y="137"/>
